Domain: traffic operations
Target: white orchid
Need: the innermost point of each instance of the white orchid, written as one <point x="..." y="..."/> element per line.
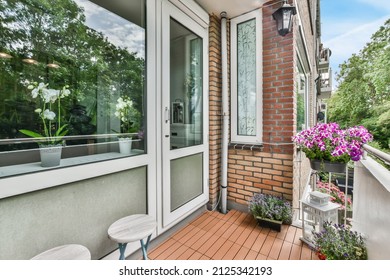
<point x="48" y="117"/>
<point x="125" y="112"/>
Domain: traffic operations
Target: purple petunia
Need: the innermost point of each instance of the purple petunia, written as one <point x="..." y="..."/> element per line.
<point x="329" y="142"/>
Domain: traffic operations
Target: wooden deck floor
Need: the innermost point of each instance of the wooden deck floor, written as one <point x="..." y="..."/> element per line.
<point x="234" y="236"/>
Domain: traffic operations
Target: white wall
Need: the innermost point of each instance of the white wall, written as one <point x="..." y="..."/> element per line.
<point x="371" y="207"/>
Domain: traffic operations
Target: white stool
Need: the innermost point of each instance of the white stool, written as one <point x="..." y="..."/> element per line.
<point x="65" y="252"/>
<point x="132" y="228"/>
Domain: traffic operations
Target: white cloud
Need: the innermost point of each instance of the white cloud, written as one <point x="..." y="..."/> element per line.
<point x="351" y="41"/>
<point x="380" y="4"/>
<point x="354" y="40"/>
<point x="118" y="31"/>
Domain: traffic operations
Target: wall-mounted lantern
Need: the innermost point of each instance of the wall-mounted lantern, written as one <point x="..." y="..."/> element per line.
<point x="283" y="17"/>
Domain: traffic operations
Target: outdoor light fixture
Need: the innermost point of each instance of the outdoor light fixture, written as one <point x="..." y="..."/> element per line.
<point x="283" y="17"/>
<point x="29" y="60"/>
<point x="316" y="210"/>
<point x="53" y="65"/>
<point x="5" y="55"/>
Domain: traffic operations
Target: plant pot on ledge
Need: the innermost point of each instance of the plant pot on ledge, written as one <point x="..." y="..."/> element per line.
<point x="125" y="144"/>
<point x="268" y="223"/>
<point x="327" y="166"/>
<point x="50" y="155"/>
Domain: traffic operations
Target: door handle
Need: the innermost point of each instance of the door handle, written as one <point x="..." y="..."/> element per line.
<point x="167" y="115"/>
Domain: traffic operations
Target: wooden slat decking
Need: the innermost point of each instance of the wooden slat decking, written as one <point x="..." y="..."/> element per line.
<point x="234" y="236"/>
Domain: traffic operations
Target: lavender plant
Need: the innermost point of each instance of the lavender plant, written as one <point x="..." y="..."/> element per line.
<point x="271" y="207"/>
<point x="339" y="242"/>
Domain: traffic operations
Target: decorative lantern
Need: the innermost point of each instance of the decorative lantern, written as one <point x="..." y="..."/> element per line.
<point x="315" y="211"/>
<point x="283" y="17"/>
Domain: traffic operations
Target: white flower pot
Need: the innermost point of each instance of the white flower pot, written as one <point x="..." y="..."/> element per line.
<point x="125" y="145"/>
<point x="50" y="155"/>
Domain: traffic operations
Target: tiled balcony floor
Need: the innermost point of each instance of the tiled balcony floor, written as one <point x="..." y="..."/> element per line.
<point x="234" y="236"/>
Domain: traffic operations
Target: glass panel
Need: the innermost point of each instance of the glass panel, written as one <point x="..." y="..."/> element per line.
<point x="186" y="87"/>
<point x="246" y="78"/>
<point x="186" y="179"/>
<point x="301" y="99"/>
<point x="73" y="64"/>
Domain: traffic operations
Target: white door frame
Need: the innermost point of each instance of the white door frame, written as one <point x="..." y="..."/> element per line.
<point x="170" y="218"/>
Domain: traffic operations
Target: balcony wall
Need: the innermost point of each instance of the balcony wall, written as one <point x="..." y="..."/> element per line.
<point x="371" y="207"/>
<point x="79" y="212"/>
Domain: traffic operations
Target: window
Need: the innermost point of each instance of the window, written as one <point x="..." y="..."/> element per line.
<point x="301" y="98"/>
<point x="76" y="68"/>
<point x="246" y="85"/>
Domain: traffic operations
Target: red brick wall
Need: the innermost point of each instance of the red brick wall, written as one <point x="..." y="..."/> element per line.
<point x="269" y="169"/>
<point x="278" y="85"/>
<point x="215" y="107"/>
<point x="251" y="172"/>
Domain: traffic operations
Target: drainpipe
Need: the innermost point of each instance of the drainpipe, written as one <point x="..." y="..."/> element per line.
<point x="225" y="115"/>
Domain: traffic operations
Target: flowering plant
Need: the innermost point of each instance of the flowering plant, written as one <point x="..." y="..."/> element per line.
<point x="339" y="242"/>
<point x="329" y="142"/>
<point x="271" y="207"/>
<point x="50" y="100"/>
<point x="336" y="196"/>
<point x="126" y="114"/>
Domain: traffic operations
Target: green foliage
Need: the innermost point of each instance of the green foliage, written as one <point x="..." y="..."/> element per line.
<point x="96" y="70"/>
<point x="271" y="207"/>
<point x="363" y="95"/>
<point x="339" y="242"/>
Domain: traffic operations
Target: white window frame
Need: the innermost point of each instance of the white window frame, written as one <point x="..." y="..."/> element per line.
<point x="235" y="137"/>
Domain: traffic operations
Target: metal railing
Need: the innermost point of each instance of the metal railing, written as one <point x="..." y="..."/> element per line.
<point x="377" y="153"/>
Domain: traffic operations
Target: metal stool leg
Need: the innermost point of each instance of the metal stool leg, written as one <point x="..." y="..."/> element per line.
<point x="144" y="247"/>
<point x="122" y="249"/>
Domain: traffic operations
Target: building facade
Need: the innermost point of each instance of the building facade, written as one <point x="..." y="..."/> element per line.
<point x="213" y="96"/>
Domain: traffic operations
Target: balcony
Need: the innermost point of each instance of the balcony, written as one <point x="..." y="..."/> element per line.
<point x="325" y="83"/>
<point x="324" y="59"/>
<point x="234" y="236"/>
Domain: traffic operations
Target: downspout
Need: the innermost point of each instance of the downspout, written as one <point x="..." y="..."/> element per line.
<point x="225" y="115"/>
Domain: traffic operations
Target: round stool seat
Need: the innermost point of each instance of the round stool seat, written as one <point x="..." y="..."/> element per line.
<point x="132" y="228"/>
<point x="65" y="252"/>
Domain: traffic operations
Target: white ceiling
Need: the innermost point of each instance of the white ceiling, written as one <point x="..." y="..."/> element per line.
<point x="233" y="8"/>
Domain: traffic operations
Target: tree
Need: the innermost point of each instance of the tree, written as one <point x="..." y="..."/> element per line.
<point x="363" y="96"/>
<point x="96" y="70"/>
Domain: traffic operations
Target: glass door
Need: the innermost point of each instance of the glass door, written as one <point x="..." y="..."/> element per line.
<point x="184" y="128"/>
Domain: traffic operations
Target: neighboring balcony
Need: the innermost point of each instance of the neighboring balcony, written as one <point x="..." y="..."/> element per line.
<point x="324" y="58"/>
<point x="325" y="83"/>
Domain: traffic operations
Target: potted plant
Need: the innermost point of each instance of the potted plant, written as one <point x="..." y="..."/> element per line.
<point x="339" y="242"/>
<point x="337" y="196"/>
<point x="127" y="115"/>
<point x="50" y="138"/>
<point x="330" y="148"/>
<point x="270" y="210"/>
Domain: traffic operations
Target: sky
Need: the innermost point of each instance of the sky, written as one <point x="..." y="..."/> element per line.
<point x="120" y="32"/>
<point x="347" y="26"/>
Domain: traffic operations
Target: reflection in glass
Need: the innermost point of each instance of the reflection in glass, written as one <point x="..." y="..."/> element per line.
<point x="301" y="99"/>
<point x="246" y="78"/>
<point x="98" y="52"/>
<point x="186" y="90"/>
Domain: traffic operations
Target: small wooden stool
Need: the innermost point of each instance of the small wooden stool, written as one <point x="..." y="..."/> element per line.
<point x="132" y="228"/>
<point x="65" y="252"/>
